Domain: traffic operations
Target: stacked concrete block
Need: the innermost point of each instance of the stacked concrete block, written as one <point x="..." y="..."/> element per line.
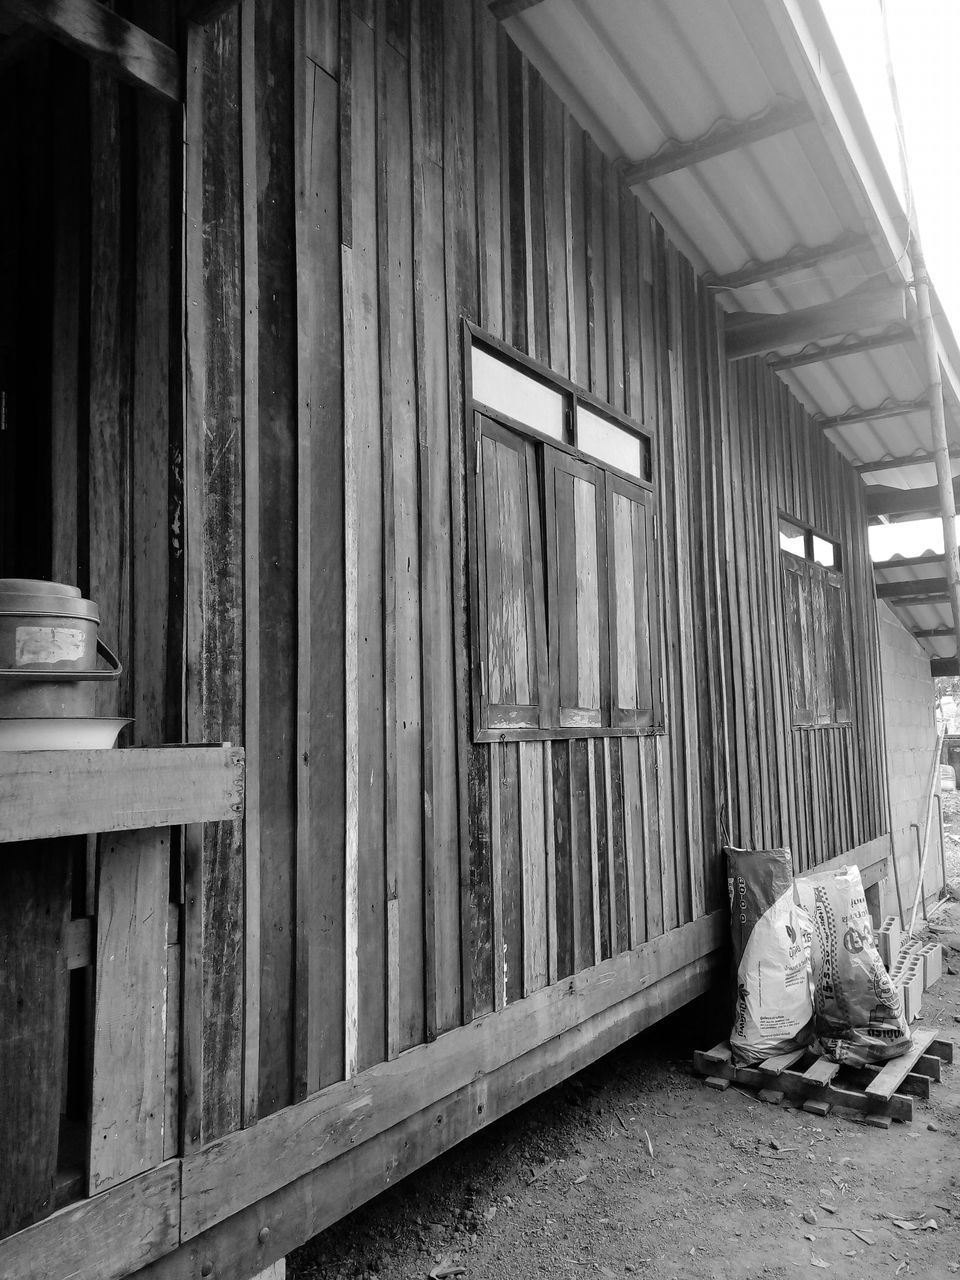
<point x="888" y="941"/>
<point x="912" y="987"/>
<point x="932" y="955"/>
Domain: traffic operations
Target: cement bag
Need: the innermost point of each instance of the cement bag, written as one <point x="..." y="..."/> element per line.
<point x="858" y="1013"/>
<point x="771" y="956"/>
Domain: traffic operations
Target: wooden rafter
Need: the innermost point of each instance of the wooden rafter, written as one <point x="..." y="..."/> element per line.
<point x="913" y="589"/>
<point x="757" y="333"/>
<point x="932" y="633"/>
<point x="908" y="562"/>
<point x="724" y="136"/>
<point x="876" y="413"/>
<point x="894" y="336"/>
<point x="125" y="50"/>
<point x="510" y="8"/>
<point x="895" y="464"/>
<point x="899" y="503"/>
<point x="797" y="259"/>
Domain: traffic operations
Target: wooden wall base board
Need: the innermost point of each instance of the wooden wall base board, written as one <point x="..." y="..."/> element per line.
<point x="298" y="1211"/>
<point x="104" y="1238"/>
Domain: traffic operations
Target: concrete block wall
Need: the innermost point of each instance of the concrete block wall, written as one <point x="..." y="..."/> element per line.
<point x="908" y="702"/>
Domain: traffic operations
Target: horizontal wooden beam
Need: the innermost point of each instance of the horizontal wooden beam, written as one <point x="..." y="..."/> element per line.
<point x="899" y="503"/>
<point x="908" y="562"/>
<point x="329" y="1189"/>
<point x="724" y="136"/>
<point x="912" y="588"/>
<point x="797" y="259"/>
<point x="895" y="336"/>
<point x="756" y="333"/>
<point x="897" y="464"/>
<point x="876" y="413"/>
<point x="932" y="633"/>
<point x="125" y="50"/>
<point x="62" y="793"/>
<point x="243" y="1167"/>
<point x="510" y="8"/>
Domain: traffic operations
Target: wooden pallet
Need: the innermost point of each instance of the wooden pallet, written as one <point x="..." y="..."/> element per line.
<point x="881" y="1094"/>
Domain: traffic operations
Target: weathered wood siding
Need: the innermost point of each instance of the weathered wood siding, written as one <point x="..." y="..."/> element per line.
<point x="285" y="565"/>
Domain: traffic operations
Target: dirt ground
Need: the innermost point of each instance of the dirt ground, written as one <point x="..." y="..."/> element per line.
<point x="635" y="1168"/>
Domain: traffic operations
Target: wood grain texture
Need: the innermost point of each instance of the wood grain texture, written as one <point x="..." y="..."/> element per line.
<point x="34" y="911"/>
<point x="129" y="1022"/>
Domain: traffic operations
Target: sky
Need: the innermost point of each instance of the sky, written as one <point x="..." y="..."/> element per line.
<point x="924" y="41"/>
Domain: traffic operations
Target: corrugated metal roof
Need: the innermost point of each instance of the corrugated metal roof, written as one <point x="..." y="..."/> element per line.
<point x="644" y="74"/>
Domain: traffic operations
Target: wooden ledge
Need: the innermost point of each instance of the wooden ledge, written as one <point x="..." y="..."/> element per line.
<point x="62" y="793"/>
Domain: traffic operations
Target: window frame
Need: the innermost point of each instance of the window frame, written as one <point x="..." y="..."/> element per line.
<point x="610" y="479"/>
<point x="816" y="577"/>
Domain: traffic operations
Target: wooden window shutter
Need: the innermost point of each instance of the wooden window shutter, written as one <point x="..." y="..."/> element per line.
<point x="836" y="640"/>
<point x="634" y="631"/>
<point x="576" y="559"/>
<point x="513" y="662"/>
<point x="798" y="622"/>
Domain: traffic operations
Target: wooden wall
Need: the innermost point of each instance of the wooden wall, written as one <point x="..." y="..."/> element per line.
<point x="361" y="179"/>
<point x="285" y="568"/>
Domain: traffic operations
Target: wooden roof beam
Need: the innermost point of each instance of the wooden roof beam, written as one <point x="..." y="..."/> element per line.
<point x="723" y="136"/>
<point x="510" y="8"/>
<point x="895" y="464"/>
<point x="919" y="589"/>
<point x="932" y="633"/>
<point x="751" y="333"/>
<point x="909" y="562"/>
<point x="106" y="39"/>
<point x="797" y="259"/>
<point x="894" y="336"/>
<point x="901" y="503"/>
<point x="876" y="413"/>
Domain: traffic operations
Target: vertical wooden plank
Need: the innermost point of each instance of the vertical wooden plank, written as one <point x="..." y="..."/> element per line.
<point x="575" y="208"/>
<point x="556" y="244"/>
<point x="511" y="871"/>
<point x="321" y="40"/>
<point x="321" y="639"/>
<point x="403" y="567"/>
<point x="460" y="262"/>
<point x="567" y="925"/>
<point x="488" y="168"/>
<point x="171" y="1096"/>
<point x="34" y="912"/>
<point x="69" y="323"/>
<point x="539" y="338"/>
<point x="630" y="294"/>
<point x="365" y="564"/>
<point x="482" y="924"/>
<point x="276" y="682"/>
<point x="440" y="810"/>
<point x="214" y="575"/>
<point x="550" y="855"/>
<point x="614" y="287"/>
<point x="129" y="1021"/>
<point x="640" y="886"/>
<point x="518" y="323"/>
<point x="604" y="906"/>
<point x="621" y="874"/>
<point x="594" y="227"/>
<point x="533" y="854"/>
<point x="496" y="876"/>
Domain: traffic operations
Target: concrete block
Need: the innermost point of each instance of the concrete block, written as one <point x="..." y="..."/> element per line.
<point x="932" y="955"/>
<point x="773" y="1096"/>
<point x="816" y="1108"/>
<point x="888" y="941"/>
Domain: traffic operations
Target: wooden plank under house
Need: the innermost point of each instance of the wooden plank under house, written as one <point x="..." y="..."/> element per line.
<point x="431" y="489"/>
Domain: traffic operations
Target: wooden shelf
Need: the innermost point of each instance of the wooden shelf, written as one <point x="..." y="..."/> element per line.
<point x="63" y="793"/>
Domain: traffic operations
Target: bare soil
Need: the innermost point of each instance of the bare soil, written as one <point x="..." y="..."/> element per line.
<point x="635" y="1168"/>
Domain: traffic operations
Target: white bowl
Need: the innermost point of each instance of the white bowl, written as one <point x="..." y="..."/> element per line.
<point x="61" y="733"/>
